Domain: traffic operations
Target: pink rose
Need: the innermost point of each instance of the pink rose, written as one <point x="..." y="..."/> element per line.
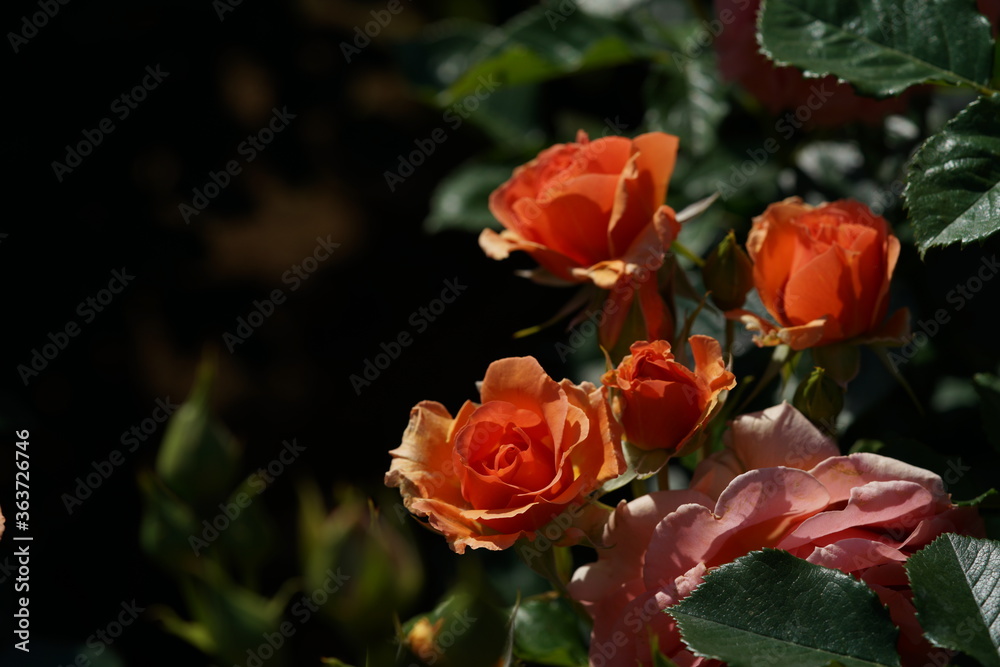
<point x="778" y="436"/>
<point x="862" y="514"/>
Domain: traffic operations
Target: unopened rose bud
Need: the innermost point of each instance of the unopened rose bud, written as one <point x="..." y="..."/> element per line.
<point x="728" y="274"/>
<point x="422" y="637"/>
<point x="820" y="399"/>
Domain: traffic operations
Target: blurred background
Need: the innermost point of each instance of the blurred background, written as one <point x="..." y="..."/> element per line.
<point x="275" y="191"/>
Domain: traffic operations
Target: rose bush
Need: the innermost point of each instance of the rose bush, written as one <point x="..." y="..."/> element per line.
<point x="500" y="470"/>
<point x="593" y="212"/>
<point x="815" y="102"/>
<point x="862" y="514"/>
<point x="823" y="274"/>
<point x="661" y="403"/>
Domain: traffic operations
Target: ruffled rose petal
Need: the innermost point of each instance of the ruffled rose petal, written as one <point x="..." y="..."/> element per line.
<point x="754" y="512"/>
<point x="422" y="466"/>
<point x="895" y="506"/>
<point x="842" y="474"/>
<point x="777" y="436"/>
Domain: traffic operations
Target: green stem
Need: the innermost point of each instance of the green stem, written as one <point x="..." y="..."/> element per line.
<point x="730" y="335"/>
<point x="663" y="477"/>
<point x="683" y="251"/>
<point x="778" y="359"/>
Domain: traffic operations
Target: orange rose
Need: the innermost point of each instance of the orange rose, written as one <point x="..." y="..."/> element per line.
<point x="593" y="212"/>
<point x="823" y="274"/>
<point x="501" y="470"/>
<point x="662" y="404"/>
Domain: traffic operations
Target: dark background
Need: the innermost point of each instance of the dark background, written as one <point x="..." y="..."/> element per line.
<point x="322" y="176"/>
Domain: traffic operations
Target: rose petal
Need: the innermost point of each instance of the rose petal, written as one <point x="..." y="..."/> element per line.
<point x="777" y="436"/>
<point x="895" y="507"/>
<point x="841" y="474"/>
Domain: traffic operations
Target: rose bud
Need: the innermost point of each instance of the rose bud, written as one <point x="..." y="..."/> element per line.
<point x="661" y="403"/>
<point x="820" y="399"/>
<point x="728" y="273"/>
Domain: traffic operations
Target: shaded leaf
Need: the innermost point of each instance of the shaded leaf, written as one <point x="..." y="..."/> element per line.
<point x="771" y="608"/>
<point x="540" y="44"/>
<point x="546" y="632"/>
<point x="882" y="47"/>
<point x="953" y="188"/>
<point x="956" y="590"/>
<point x="461" y="200"/>
<point x="688" y="102"/>
<point x="988" y="388"/>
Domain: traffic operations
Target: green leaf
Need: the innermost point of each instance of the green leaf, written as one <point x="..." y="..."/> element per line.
<point x="380" y="569"/>
<point x="541" y="44"/>
<point x="226" y="619"/>
<point x="882" y="47"/>
<point x="461" y="200"/>
<point x="546" y="632"/>
<point x="953" y="188"/>
<point x="440" y="56"/>
<point x="956" y="590"/>
<point x="771" y="608"/>
<point x="642" y="464"/>
<point x="167" y="525"/>
<point x="688" y="102"/>
<point x="988" y="388"/>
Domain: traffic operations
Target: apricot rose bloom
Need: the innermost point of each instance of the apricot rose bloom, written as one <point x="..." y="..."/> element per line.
<point x="823" y="274"/>
<point x="661" y="403"/>
<point x="862" y="514"/>
<point x="592" y="211"/>
<point x="502" y="469"/>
